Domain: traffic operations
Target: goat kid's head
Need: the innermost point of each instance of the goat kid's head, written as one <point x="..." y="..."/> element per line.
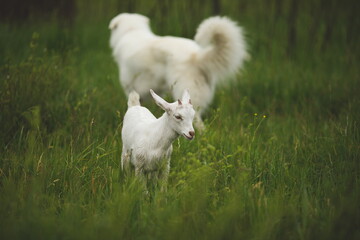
<point x="181" y="114"/>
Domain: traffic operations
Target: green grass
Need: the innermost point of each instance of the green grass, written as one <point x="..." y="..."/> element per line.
<point x="279" y="158"/>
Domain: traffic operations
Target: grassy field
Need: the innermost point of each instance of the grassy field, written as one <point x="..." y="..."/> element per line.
<point x="279" y="159"/>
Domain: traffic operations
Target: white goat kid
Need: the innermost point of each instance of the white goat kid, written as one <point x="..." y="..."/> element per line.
<point x="147" y="141"/>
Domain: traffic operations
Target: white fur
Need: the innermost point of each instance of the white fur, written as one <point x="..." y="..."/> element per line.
<point x="148" y="61"/>
<point x="147" y="141"/>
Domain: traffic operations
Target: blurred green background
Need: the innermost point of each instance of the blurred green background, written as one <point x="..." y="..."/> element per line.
<point x="279" y="158"/>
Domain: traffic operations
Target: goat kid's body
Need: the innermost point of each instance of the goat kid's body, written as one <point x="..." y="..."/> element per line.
<point x="148" y="142"/>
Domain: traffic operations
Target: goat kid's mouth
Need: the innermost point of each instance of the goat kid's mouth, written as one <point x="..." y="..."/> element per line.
<point x="188" y="137"/>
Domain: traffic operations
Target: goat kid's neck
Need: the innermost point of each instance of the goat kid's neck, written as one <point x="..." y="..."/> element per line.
<point x="163" y="133"/>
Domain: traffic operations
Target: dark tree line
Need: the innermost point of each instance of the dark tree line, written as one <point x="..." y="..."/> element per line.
<point x="326" y="15"/>
<point x="22" y="10"/>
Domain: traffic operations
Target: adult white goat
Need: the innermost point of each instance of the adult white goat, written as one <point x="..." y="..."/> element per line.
<point x="147" y="141"/>
<point x="172" y="64"/>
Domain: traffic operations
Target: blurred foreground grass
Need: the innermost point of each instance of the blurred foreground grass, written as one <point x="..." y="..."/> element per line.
<point x="279" y="159"/>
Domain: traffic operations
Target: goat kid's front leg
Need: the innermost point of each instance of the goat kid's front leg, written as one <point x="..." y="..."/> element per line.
<point x="163" y="176"/>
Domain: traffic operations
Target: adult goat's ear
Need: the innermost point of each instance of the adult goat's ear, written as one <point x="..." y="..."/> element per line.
<point x="160" y="102"/>
<point x="186" y="97"/>
<point x="114" y="23"/>
<point x="146" y="20"/>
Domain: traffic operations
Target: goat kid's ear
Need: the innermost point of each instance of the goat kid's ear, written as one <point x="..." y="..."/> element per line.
<point x="186" y="96"/>
<point x="160" y="102"/>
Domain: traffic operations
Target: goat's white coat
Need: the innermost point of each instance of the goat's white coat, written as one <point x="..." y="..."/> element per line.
<point x="148" y="61"/>
<point x="147" y="140"/>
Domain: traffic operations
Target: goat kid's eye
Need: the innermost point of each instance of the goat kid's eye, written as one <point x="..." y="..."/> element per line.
<point x="178" y="117"/>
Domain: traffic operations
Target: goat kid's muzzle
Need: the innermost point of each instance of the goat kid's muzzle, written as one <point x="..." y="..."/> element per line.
<point x="190" y="135"/>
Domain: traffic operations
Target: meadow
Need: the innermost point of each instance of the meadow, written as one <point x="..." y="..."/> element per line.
<point x="279" y="158"/>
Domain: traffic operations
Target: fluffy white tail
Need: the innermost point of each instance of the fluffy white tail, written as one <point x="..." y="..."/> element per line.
<point x="224" y="46"/>
<point x="134" y="99"/>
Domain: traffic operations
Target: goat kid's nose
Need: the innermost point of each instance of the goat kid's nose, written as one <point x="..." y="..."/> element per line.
<point x="192" y="133"/>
